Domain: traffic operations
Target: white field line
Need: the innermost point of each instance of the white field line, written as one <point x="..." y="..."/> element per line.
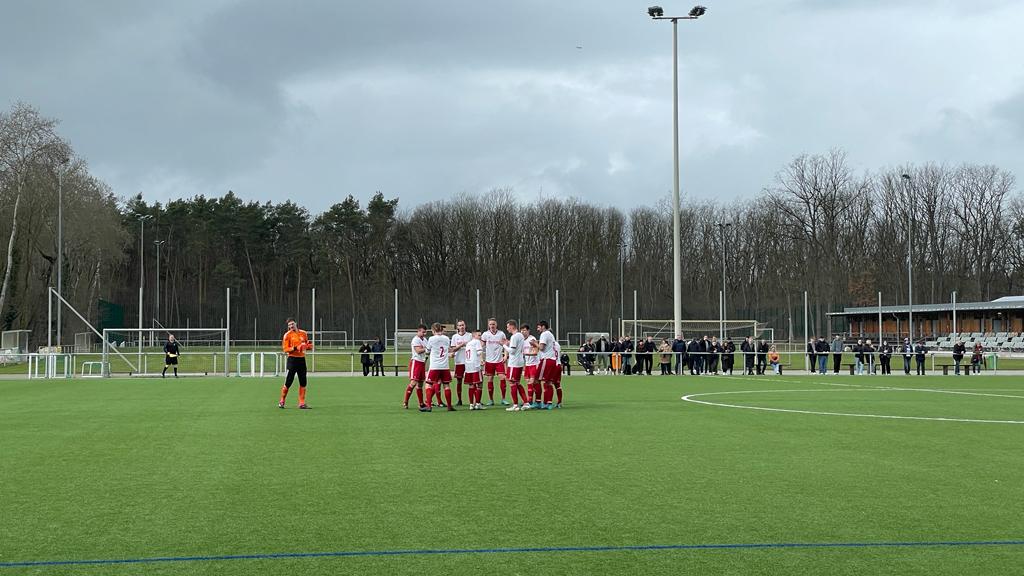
<point x="693" y="398"/>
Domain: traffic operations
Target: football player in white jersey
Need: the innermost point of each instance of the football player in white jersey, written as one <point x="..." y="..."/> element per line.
<point x="473" y="355"/>
<point x="417" y="366"/>
<point x="439" y="346"/>
<point x="516" y="362"/>
<point x="549" y="366"/>
<point x="494" y="350"/>
<point x="531" y="368"/>
<point x="459" y="341"/>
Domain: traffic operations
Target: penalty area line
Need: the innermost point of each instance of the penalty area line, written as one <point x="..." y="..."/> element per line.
<point x="553" y="549"/>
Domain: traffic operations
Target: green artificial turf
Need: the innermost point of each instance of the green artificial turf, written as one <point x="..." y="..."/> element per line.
<point x="143" y="468"/>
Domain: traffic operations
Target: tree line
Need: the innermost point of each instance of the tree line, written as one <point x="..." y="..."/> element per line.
<point x="819" y="226"/>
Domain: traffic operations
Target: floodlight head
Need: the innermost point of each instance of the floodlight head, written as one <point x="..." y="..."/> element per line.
<point x="655" y="12"/>
<point x="697" y="11"/>
<point x="906" y="177"/>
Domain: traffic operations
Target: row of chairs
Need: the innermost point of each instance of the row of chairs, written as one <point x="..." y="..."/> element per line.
<point x="1012" y="341"/>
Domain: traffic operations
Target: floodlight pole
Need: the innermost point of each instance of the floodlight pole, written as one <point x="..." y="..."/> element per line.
<point x="60" y="241"/>
<point x="910" y="252"/>
<point x="677" y="266"/>
<point x="158" y="243"/>
<point x="721" y="329"/>
<point x="622" y="284"/>
<point x="142" y="276"/>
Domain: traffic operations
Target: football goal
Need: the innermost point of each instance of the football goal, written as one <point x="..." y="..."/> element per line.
<point x="658" y="329"/>
<point x="135" y="352"/>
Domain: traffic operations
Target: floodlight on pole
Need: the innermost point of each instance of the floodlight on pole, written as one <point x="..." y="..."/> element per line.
<point x="721" y="228"/>
<point x="657" y="13"/>
<point x="158" y="244"/>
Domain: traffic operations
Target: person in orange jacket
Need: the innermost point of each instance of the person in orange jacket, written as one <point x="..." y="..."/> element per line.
<point x="295" y="343"/>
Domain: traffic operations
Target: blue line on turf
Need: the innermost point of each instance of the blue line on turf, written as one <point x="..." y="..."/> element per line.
<point x="423" y="552"/>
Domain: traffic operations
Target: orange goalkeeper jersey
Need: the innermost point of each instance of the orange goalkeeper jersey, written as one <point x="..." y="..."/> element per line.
<point x="292" y="342"/>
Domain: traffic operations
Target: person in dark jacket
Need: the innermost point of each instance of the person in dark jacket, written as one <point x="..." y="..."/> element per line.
<point x="694" y="352"/>
<point x="858" y="354"/>
<point x="714" y="352"/>
<point x="821" y="349"/>
<point x="908" y="355"/>
<point x="976" y="357"/>
<point x="728" y="356"/>
<point x="627" y="355"/>
<point x="869" y="356"/>
<point x="378" y="350"/>
<point x="762" y="356"/>
<point x="747" y="348"/>
<point x="364" y="358"/>
<point x="885" y="357"/>
<point x="650" y="347"/>
<point x="959" y="349"/>
<point x="679" y="351"/>
<point x="919" y="355"/>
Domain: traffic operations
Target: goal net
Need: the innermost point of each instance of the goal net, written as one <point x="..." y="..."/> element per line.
<point x="332" y="339"/>
<point x="135" y="352"/>
<point x="658" y="329"/>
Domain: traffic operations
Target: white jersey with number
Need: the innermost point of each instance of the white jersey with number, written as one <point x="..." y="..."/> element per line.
<point x="458" y="339"/>
<point x="438" y="346"/>
<point x="530" y="351"/>
<point x="493" y="347"/>
<point x="418" y="356"/>
<point x="471" y="355"/>
<point x="515" y="351"/>
<point x="548" y="340"/>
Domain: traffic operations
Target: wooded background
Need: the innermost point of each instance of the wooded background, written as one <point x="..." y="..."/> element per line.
<point x="820" y="226"/>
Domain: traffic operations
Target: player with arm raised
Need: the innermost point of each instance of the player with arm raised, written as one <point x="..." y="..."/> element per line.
<point x="494" y="350"/>
<point x="531" y="366"/>
<point x="473" y="354"/>
<point x="417" y="367"/>
<point x="439" y="346"/>
<point x="459" y="341"/>
<point x="550" y="368"/>
<point x="516" y="363"/>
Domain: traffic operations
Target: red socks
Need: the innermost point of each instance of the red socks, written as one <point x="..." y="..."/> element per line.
<point x="408" y="392"/>
<point x="559" y="390"/>
<point x="458" y="388"/>
<point x="522" y="393"/>
<point x="502" y="389"/>
<point x="515" y="394"/>
<point x="448" y="397"/>
<point x="430" y="395"/>
<point x="490" y="390"/>
<point x="549" y="393"/>
<point x="419" y="394"/>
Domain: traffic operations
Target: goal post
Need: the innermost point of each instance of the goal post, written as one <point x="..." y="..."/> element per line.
<point x="658" y="329"/>
<point x="203" y="351"/>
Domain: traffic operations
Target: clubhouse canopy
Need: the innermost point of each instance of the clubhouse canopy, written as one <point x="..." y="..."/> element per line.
<point x="931" y="321"/>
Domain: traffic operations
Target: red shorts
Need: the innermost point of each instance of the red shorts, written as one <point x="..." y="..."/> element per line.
<point x="417" y="370"/>
<point x="514" y="374"/>
<point x="460" y="370"/>
<point x="492" y="368"/>
<point x="473" y="377"/>
<point x="549" y="369"/>
<point x="442" y="376"/>
<point x="531" y="370"/>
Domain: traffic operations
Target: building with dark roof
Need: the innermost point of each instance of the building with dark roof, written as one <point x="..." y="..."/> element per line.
<point x="931" y="321"/>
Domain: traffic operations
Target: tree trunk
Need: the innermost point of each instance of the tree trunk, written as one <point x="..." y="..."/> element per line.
<point x="10" y="253"/>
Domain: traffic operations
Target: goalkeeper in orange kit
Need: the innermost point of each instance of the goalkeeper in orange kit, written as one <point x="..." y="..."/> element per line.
<point x="294" y="344"/>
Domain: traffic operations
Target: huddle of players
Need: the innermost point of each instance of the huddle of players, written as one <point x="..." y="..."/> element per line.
<point x="513" y="359"/>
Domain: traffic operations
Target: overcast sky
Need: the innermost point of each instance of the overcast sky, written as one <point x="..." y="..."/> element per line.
<point x="314" y="100"/>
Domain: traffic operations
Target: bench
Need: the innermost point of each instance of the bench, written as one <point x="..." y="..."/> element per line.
<point x="965" y="365"/>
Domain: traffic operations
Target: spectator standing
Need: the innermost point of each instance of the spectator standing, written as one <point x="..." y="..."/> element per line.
<point x="364" y="358"/>
<point x="378" y="350"/>
<point x="602" y="348"/>
<point x="762" y="356"/>
<point x="812" y="356"/>
<point x="822" y="349"/>
<point x="837" y="353"/>
<point x="908" y="355"/>
<point x="665" y="350"/>
<point x="869" y="356"/>
<point x="885" y="357"/>
<point x="627" y="355"/>
<point x="679" y="348"/>
<point x="976" y="357"/>
<point x="747" y="349"/>
<point x="714" y="352"/>
<point x="958" y="354"/>
<point x="858" y="354"/>
<point x="919" y="355"/>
